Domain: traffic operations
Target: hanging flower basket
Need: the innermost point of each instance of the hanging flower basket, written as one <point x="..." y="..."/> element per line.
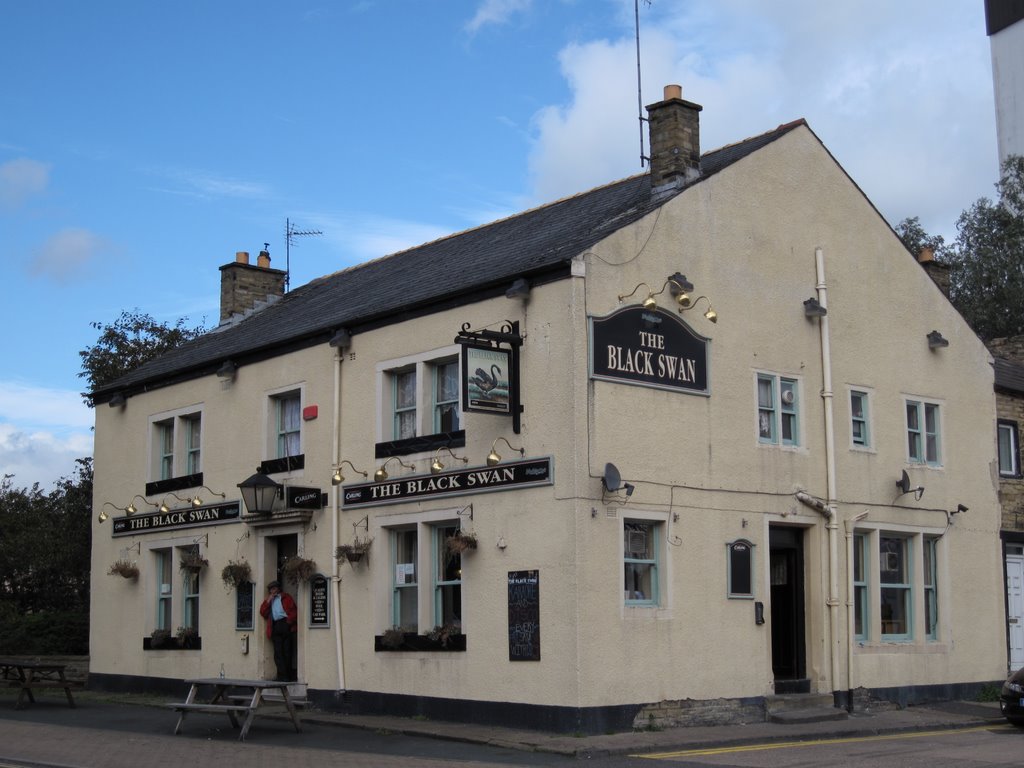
<point x="125" y="568"/>
<point x="236" y="573"/>
<point x="459" y="542"/>
<point x="193" y="562"/>
<point x="353" y="552"/>
<point x="298" y="570"/>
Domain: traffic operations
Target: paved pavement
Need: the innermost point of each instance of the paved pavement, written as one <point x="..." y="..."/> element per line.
<point x="106" y="708"/>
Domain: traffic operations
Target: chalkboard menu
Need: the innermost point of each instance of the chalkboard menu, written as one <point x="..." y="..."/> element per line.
<point x="244" y="595"/>
<point x="740" y="569"/>
<point x="524" y="616"/>
<point x="319" y="601"/>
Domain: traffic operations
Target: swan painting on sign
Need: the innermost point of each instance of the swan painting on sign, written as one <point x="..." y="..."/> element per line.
<point x="485" y="379"/>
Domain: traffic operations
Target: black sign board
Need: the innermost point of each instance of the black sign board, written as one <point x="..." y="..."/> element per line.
<point x="648" y="348"/>
<point x="503" y="477"/>
<point x="740" y="569"/>
<point x="524" y="615"/>
<point x="244" y="601"/>
<point x="319" y="601"/>
<point x="190" y="517"/>
<point x="298" y="497"/>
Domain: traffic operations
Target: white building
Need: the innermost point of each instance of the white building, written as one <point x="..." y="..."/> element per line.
<point x="1004" y="22"/>
<point x="715" y="431"/>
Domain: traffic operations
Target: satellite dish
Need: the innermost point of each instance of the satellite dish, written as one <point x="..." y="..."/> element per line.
<point x="612" y="480"/>
<point x="904" y="482"/>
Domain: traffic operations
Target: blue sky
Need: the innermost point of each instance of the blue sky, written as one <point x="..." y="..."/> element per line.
<point x="142" y="144"/>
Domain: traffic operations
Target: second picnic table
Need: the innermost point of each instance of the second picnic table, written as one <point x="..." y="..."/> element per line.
<point x="234" y="696"/>
<point x="26" y="674"/>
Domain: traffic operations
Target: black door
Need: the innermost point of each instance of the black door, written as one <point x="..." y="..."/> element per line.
<point x="787" y="596"/>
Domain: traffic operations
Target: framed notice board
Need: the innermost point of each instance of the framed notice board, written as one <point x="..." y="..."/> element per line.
<point x="524" y="615"/>
<point x="244" y="606"/>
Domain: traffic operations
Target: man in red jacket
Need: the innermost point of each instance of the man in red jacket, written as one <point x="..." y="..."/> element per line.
<point x="281" y="613"/>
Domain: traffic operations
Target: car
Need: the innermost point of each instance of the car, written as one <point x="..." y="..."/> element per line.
<point x="1011" y="698"/>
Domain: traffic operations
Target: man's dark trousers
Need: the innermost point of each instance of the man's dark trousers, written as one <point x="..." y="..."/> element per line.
<point x="283" y="639"/>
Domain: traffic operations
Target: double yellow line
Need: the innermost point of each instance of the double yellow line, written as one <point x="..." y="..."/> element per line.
<point x="819" y="742"/>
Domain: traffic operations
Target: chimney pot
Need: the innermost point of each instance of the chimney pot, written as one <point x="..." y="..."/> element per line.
<point x="673" y="92"/>
<point x="242" y="257"/>
<point x="263" y="260"/>
<point x="926" y="254"/>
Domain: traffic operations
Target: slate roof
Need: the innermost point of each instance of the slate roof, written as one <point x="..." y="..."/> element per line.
<point x="538" y="244"/>
<point x="1009" y="375"/>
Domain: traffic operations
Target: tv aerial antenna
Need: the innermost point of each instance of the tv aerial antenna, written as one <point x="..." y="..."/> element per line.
<point x="639" y="95"/>
<point x="290" y="233"/>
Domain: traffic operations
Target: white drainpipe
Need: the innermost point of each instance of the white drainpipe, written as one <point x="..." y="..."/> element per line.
<point x="336" y="577"/>
<point x="830" y="473"/>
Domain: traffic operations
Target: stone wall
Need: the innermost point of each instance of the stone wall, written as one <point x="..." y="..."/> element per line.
<point x="689" y="712"/>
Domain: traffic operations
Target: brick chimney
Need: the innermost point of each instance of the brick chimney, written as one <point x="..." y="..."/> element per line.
<point x="937" y="271"/>
<point x="675" y="140"/>
<point x="242" y="285"/>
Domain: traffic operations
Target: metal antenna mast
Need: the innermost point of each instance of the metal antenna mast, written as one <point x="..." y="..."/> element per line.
<point x="290" y="232"/>
<point x="639" y="96"/>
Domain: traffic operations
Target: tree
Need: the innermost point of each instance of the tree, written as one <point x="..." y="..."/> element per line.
<point x="131" y="340"/>
<point x="45" y="548"/>
<point x="916" y="239"/>
<point x="987" y="268"/>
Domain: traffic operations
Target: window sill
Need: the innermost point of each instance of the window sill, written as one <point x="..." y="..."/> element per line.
<point x="420" y="444"/>
<point x="285" y="464"/>
<point x="413" y="642"/>
<point x="195" y="644"/>
<point x="174" y="484"/>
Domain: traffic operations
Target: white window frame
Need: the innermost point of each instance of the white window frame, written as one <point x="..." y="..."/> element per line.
<point x="182" y="600"/>
<point x="171" y="446"/>
<point x="651" y="559"/>
<point x="781" y="407"/>
<point x="860" y="573"/>
<point x="1008" y="447"/>
<point x="425" y="365"/>
<point x="864" y="396"/>
<point x="428" y="527"/>
<point x="163" y="570"/>
<point x="919" y="437"/>
<point x="274" y="399"/>
<point x="405" y="577"/>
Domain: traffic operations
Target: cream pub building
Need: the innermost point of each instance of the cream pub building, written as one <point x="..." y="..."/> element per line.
<point x="665" y="449"/>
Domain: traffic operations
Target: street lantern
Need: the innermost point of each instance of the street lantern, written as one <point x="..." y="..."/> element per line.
<point x="259" y="492"/>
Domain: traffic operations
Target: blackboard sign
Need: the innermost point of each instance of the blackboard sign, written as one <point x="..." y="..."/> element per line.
<point x="244" y="595"/>
<point x="319" y="601"/>
<point x="524" y="615"/>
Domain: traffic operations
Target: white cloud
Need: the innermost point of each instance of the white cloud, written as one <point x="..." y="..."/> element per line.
<point x="21" y="179"/>
<point x="495" y="12"/>
<point x="890" y="88"/>
<point x="205" y="185"/>
<point x="67" y="254"/>
<point x="42" y="432"/>
<point x="361" y="237"/>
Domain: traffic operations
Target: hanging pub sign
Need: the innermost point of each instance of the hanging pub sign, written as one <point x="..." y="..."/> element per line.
<point x="648" y="348"/>
<point x="485" y="379"/>
<point x="502" y="477"/>
<point x="300" y="497"/>
<point x="177" y="518"/>
<point x="490" y="371"/>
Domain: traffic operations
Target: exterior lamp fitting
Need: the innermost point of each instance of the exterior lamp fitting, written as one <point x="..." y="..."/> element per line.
<point x="494" y="459"/>
<point x="937" y="340"/>
<point x="382" y="474"/>
<point x="338" y="478"/>
<point x="197" y="500"/>
<point x="259" y="492"/>
<point x="436" y="467"/>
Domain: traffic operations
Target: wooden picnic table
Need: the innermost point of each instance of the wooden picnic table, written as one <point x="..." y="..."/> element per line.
<point x="234" y="696"/>
<point x="29" y="674"/>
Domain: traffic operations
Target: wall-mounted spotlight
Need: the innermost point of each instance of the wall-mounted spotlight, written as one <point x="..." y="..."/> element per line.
<point x="103" y="513"/>
<point x="227" y="370"/>
<point x="382" y="474"/>
<point x="680" y="288"/>
<point x="813" y="309"/>
<point x="437" y="467"/>
<point x="198" y="502"/>
<point x="164" y="509"/>
<point x="710" y="314"/>
<point x="337" y="478"/>
<point x="493" y="458"/>
<point x="131" y="509"/>
<point x="649" y="303"/>
<point x="520" y="289"/>
<point x="117" y="400"/>
<point x="960" y="508"/>
<point x="341" y="339"/>
<point x="904" y="485"/>
<point x="937" y="340"/>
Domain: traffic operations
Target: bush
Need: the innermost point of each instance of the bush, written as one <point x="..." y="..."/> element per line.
<point x="45" y="634"/>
